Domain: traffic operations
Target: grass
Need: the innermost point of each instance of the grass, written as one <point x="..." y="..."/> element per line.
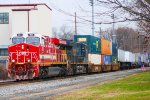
<point x="134" y="87"/>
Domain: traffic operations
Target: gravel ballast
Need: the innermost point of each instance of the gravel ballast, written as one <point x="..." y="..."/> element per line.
<point x="41" y="90"/>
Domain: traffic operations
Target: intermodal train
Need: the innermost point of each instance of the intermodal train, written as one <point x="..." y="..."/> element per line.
<point x="32" y="55"/>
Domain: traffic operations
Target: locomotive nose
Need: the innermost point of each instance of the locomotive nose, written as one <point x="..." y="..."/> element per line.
<point x="23" y="53"/>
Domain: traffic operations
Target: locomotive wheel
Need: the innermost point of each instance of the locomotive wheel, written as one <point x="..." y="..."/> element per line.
<point x="70" y="71"/>
<point x="30" y="73"/>
<point x="43" y="73"/>
<point x="63" y="72"/>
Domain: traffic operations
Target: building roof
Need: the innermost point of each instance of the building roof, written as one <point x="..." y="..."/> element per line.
<point x="35" y="4"/>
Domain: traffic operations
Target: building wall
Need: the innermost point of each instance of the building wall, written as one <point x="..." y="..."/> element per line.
<point x="5" y="29"/>
<point x="19" y="21"/>
<point x="39" y="22"/>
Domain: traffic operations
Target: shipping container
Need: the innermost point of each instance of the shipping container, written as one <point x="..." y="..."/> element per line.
<point x="94" y="58"/>
<point x="114" y="49"/>
<point x="131" y="57"/>
<point x="106" y="63"/>
<point x="106" y="47"/>
<point x="121" y="55"/>
<point x="114" y="59"/>
<point x="106" y="59"/>
<point x="92" y="42"/>
<point x="140" y="57"/>
<point x="114" y="63"/>
<point x="127" y="56"/>
<point x="137" y="57"/>
<point x="144" y="57"/>
<point x="94" y="62"/>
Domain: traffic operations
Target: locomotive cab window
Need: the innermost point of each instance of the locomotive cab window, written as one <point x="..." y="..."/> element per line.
<point x="16" y="40"/>
<point x="33" y="40"/>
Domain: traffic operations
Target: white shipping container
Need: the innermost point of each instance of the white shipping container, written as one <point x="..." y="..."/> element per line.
<point x="94" y="58"/>
<point x="127" y="54"/>
<point x="137" y="55"/>
<point x="144" y="58"/>
<point x="121" y="55"/>
<point x="131" y="57"/>
<point x="134" y="57"/>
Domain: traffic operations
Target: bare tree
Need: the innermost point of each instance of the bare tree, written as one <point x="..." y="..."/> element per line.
<point x="127" y="38"/>
<point x="64" y="32"/>
<point x="144" y="27"/>
<point x="139" y="9"/>
<point x="54" y="32"/>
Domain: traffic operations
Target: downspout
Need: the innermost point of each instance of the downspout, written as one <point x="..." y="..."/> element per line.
<point x="28" y="21"/>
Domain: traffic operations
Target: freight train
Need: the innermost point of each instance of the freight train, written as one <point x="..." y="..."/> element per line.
<point x="32" y="55"/>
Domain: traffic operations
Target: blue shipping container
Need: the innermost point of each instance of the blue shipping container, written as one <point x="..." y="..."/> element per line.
<point x="114" y="49"/>
<point x="106" y="59"/>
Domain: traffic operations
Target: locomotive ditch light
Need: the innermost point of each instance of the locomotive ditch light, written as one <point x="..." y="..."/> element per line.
<point x="29" y="60"/>
<point x="13" y="60"/>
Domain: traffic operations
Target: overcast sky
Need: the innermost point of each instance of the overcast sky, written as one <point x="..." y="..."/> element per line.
<point x="81" y="7"/>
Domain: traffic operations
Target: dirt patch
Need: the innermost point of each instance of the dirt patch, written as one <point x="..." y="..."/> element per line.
<point x="110" y="94"/>
<point x="113" y="94"/>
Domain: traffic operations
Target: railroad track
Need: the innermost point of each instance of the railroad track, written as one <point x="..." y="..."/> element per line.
<point x="9" y="83"/>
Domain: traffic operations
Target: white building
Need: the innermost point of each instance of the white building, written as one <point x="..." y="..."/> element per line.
<point x="16" y="18"/>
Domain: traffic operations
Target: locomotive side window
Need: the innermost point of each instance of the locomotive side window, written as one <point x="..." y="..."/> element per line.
<point x="33" y="40"/>
<point x="16" y="40"/>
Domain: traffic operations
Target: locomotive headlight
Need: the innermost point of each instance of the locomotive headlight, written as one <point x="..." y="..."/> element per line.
<point x="13" y="60"/>
<point x="28" y="60"/>
<point x="22" y="46"/>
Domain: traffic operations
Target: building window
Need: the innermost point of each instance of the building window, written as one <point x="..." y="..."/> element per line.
<point x="4" y="18"/>
<point x="3" y="52"/>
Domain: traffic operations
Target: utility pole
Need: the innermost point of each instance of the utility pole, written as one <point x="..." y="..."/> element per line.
<point x="114" y="35"/>
<point x="29" y="1"/>
<point x="75" y="23"/>
<point x="100" y="31"/>
<point x="92" y="4"/>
